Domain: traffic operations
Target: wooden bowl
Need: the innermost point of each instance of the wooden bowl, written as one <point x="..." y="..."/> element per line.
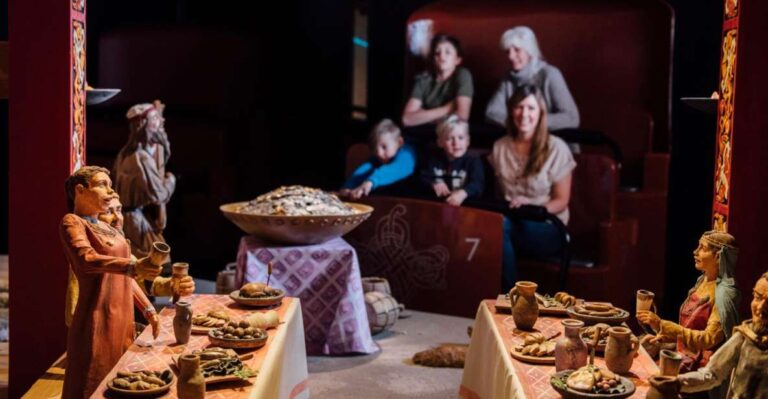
<point x="255" y="343"/>
<point x="257" y="302"/>
<point x="588" y="319"/>
<point x="313" y="229"/>
<point x="569" y="393"/>
<point x="140" y="394"/>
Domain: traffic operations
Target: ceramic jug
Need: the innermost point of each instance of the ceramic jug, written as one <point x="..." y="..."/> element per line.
<point x="182" y="322"/>
<point x="525" y="309"/>
<point x="570" y="351"/>
<point x="663" y="387"/>
<point x="620" y="350"/>
<point x="191" y="384"/>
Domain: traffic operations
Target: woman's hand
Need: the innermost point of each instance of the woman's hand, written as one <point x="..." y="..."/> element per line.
<point x="456" y="197"/>
<point x="441" y="189"/>
<point x="519" y="201"/>
<point x="649" y="318"/>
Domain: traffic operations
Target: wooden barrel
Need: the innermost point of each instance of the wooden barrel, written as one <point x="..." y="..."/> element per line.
<point x="376" y="284"/>
<point x="382" y="310"/>
<point x="225" y="280"/>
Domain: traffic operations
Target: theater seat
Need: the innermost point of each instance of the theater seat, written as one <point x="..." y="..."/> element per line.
<point x="602" y="246"/>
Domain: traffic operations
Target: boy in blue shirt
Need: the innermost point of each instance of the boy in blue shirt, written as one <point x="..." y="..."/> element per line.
<point x="393" y="161"/>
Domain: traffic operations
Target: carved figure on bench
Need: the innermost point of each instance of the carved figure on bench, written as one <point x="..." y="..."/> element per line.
<point x="529" y="67"/>
<point x="145" y="187"/>
<point x="709" y="313"/>
<point x="100" y="257"/>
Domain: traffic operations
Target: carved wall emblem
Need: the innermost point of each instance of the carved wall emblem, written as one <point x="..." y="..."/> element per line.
<point x="390" y="253"/>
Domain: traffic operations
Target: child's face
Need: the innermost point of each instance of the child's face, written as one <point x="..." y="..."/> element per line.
<point x="387" y="146"/>
<point x="454" y="143"/>
<point x="446" y="57"/>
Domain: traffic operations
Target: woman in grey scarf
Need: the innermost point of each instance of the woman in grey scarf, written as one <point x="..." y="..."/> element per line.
<point x="529" y="67"/>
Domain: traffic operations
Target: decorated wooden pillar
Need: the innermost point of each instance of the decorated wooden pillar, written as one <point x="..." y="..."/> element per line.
<point x="741" y="191"/>
<point x="727" y="92"/>
<point x="46" y="142"/>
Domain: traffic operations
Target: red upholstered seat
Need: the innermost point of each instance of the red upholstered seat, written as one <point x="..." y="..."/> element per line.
<point x="598" y="238"/>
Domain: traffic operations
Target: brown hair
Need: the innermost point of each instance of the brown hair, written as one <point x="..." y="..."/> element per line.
<point x="540" y="140"/>
<point x="386" y="126"/>
<point x="81" y="176"/>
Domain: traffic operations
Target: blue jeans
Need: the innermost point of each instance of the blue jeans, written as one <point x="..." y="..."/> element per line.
<point x="527" y="238"/>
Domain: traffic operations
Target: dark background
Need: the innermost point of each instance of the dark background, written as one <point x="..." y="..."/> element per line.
<point x="288" y="121"/>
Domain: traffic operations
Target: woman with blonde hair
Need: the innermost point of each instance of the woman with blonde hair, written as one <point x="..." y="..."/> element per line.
<point x="529" y="67"/>
<point x="532" y="168"/>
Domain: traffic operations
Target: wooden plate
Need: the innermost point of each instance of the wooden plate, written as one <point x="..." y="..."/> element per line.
<point x="569" y="393"/>
<point x="139" y="394"/>
<point x="223" y="378"/>
<point x="532" y="359"/>
<point x="503" y="305"/>
<point x="238" y="343"/>
<point x="257" y="302"/>
<point x="587" y="319"/>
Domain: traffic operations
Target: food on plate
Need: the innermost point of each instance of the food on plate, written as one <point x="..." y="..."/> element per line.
<point x="588" y="333"/>
<point x="537" y="345"/>
<point x="565" y="299"/>
<point x="264" y="320"/>
<point x="258" y="290"/>
<point x="559" y="300"/>
<point x="215" y="318"/>
<point x="235" y="331"/>
<point x="297" y="201"/>
<point x="597" y="309"/>
<point x="142" y="380"/>
<point x="592" y="379"/>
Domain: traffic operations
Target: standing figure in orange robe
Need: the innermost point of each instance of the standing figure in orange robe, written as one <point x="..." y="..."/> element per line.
<point x="102" y="325"/>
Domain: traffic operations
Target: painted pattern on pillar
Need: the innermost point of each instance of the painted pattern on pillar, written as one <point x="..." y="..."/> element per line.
<point x="725" y="119"/>
<point x="77" y="157"/>
<point x="78" y="5"/>
<point x="720" y="222"/>
<point x="731" y="9"/>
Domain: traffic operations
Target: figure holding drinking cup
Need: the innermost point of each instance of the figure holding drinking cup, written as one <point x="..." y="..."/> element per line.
<point x="709" y="313"/>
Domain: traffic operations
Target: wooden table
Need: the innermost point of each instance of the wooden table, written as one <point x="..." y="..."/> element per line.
<point x="281" y="363"/>
<point x="491" y="372"/>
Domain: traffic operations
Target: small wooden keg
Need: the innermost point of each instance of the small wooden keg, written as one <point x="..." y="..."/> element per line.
<point x="225" y="280"/>
<point x="377" y="284"/>
<point x="383" y="311"/>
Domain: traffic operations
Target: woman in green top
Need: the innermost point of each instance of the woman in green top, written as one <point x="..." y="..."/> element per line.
<point x="446" y="89"/>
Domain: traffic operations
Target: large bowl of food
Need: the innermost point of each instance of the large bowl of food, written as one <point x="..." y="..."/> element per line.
<point x="296" y="215"/>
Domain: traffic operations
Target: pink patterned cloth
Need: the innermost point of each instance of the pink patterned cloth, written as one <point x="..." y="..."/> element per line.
<point x="326" y="277"/>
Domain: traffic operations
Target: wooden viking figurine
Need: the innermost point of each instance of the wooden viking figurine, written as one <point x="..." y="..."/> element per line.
<point x="161" y="286"/>
<point x="709" y="313"/>
<point x="141" y="179"/>
<point x="100" y="258"/>
<point x="740" y="366"/>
